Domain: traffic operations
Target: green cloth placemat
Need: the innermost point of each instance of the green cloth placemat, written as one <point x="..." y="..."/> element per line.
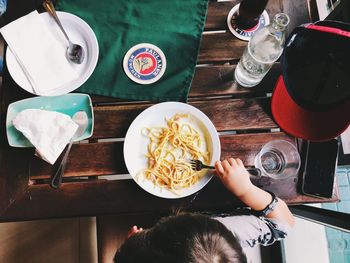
<point x="174" y="26"/>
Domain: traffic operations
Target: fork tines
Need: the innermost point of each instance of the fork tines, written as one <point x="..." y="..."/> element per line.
<point x="195" y="164"/>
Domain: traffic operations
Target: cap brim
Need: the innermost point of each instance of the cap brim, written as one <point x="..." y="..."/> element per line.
<point x="306" y="124"/>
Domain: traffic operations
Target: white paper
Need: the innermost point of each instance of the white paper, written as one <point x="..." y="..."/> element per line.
<point x="41" y="56"/>
<point x="48" y="131"/>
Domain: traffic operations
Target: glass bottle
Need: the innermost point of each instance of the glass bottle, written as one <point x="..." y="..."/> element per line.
<point x="263" y="49"/>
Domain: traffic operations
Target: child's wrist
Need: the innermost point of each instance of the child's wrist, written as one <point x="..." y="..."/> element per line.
<point x="247" y="191"/>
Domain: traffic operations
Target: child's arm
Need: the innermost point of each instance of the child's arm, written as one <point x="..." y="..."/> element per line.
<point x="235" y="177"/>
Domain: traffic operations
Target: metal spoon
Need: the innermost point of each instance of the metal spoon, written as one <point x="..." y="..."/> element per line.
<point x="81" y="119"/>
<point x="75" y="52"/>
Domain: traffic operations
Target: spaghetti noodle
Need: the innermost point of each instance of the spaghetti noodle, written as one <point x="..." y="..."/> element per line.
<point x="168" y="150"/>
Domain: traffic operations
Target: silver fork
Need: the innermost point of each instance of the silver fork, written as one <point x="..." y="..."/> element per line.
<point x="198" y="165"/>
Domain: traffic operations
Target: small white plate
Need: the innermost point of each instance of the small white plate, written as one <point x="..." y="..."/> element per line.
<point x="135" y="144"/>
<point x="68" y="104"/>
<point x="79" y="32"/>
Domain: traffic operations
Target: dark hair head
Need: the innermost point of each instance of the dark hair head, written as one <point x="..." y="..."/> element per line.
<point x="185" y="238"/>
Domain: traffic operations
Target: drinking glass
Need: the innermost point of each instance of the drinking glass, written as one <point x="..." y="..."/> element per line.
<point x="278" y="159"/>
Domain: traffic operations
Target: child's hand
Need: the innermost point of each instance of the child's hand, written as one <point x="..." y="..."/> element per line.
<point x="234" y="176"/>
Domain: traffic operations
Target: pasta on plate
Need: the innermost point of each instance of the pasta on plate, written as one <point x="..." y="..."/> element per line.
<point x="169" y="150"/>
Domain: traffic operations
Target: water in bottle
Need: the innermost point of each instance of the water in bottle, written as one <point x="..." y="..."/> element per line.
<point x="263" y="49"/>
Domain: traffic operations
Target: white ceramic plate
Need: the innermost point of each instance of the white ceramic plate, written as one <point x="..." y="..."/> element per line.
<point x="135" y="144"/>
<point x="79" y="32"/>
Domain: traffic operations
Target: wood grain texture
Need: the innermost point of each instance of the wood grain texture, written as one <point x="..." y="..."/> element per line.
<point x="103" y="197"/>
<point x="220" y="47"/>
<point x="218" y="80"/>
<point x="107" y="158"/>
<point x="14" y="174"/>
<point x="213" y="91"/>
<point x="85" y="160"/>
<point x="226" y="115"/>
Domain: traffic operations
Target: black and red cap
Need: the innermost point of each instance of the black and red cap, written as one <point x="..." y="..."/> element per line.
<point x="311" y="99"/>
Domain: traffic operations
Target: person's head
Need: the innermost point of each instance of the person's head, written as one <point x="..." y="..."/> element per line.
<point x="185" y="238"/>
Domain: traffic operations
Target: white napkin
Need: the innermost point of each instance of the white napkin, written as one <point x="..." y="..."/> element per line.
<point x="41" y="56"/>
<point x="48" y="131"/>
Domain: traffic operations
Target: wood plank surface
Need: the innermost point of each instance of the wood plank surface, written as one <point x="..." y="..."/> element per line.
<point x="14" y="174"/>
<point x="220" y="47"/>
<point x="218" y="80"/>
<point x="97" y="159"/>
<point x="25" y="194"/>
<point x="101" y="197"/>
<point x="226" y="115"/>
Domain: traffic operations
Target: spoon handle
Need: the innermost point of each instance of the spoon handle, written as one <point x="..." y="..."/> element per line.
<point x="56" y="179"/>
<point x="49" y="7"/>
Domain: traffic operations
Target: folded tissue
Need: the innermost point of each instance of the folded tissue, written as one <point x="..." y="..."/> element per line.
<point x="48" y="131"/>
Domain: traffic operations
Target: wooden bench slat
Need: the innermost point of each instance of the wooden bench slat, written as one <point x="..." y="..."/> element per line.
<point x="125" y="197"/>
<point x="107" y="158"/>
<point x="220" y="47"/>
<point x="240" y="114"/>
<point x="213" y="92"/>
<point x="218" y="81"/>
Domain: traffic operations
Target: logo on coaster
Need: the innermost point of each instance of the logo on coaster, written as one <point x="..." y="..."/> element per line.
<point x="245" y="34"/>
<point x="144" y="63"/>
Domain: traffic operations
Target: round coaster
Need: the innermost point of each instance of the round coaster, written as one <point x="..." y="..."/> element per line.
<point x="245" y="34"/>
<point x="144" y="63"/>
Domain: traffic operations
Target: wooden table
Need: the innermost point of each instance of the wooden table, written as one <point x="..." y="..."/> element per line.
<point x="241" y="116"/>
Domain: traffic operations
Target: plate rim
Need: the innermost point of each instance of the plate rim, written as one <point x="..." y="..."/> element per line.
<point x="11" y="105"/>
<point x="79" y="81"/>
<point x="211" y="130"/>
